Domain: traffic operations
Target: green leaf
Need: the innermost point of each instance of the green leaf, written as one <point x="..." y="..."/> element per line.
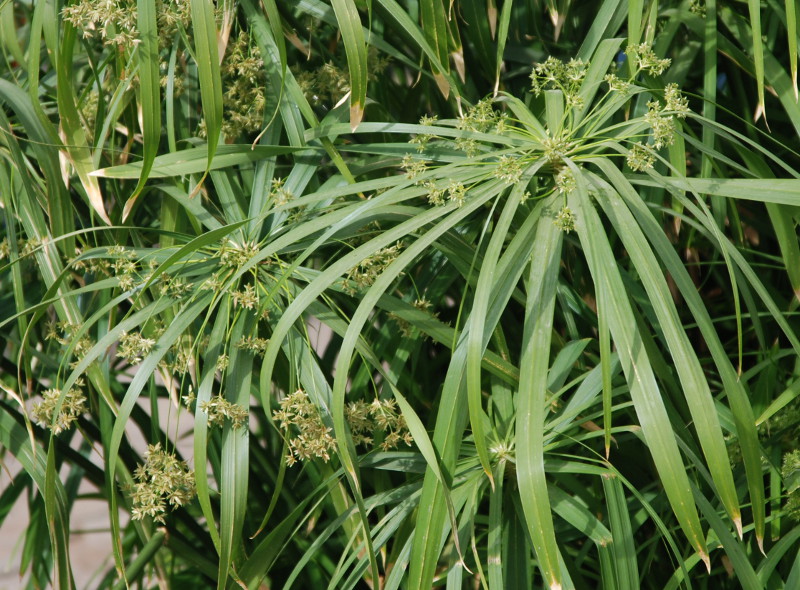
<point x="532" y="400"/>
<point x="690" y="372"/>
<point x="647" y="400"/>
<point x="208" y="73"/>
<point x="150" y="93"/>
<point x="76" y="147"/>
<point x="194" y="160"/>
<point x="433" y="17"/>
<point x="355" y="47"/>
<point x="733" y="386"/>
<point x="754" y="8"/>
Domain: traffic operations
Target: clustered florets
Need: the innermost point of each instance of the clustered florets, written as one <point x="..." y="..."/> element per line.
<point x="365" y="419"/>
<point x="115" y="22"/>
<point x="647" y="60"/>
<point x="279" y="193"/>
<point x="235" y="256"/>
<point x="554" y="74"/>
<point x="73" y="405"/>
<point x="565" y="220"/>
<point x="133" y="347"/>
<point x="253" y="344"/>
<point x="308" y="437"/>
<point x="640" y="158"/>
<point x="243" y="78"/>
<point x="558" y="144"/>
<point x="509" y="169"/>
<point x="406" y="329"/>
<point x="662" y="124"/>
<point x="65" y="333"/>
<point x="328" y="84"/>
<point x="162" y="480"/>
<point x="246" y="298"/>
<point x="218" y="409"/>
<point x="306" y="434"/>
<point x="366" y="272"/>
<point x="790" y="472"/>
<point x="565" y="181"/>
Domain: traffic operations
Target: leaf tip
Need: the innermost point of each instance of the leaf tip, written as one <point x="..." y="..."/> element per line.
<point x="705" y="559"/>
<point x="442" y="83"/>
<point x="356" y="115"/>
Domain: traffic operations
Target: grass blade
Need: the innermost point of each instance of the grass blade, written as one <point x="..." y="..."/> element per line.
<point x="149" y="92"/>
<point x="644" y="389"/>
<point x="690" y="372"/>
<point x="754" y="8"/>
<point x="208" y="73"/>
<point x="532" y="401"/>
<point x="434" y="24"/>
<point x="355" y="47"/>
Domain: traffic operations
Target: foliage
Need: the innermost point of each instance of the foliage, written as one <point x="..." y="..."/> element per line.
<point x="403" y="294"/>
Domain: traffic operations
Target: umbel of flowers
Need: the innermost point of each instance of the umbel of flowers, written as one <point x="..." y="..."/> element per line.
<point x="583" y="127"/>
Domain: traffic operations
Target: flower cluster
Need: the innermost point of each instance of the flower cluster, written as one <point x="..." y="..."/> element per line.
<point x="253" y="344"/>
<point x="481" y="117"/>
<point x="308" y="437"/>
<point x="162" y="479"/>
<point x="647" y="60"/>
<point x="453" y="192"/>
<point x="565" y="181"/>
<point x="697" y="7"/>
<point x="96" y="266"/>
<point x="248" y="298"/>
<point x="115" y="21"/>
<point x="124" y="267"/>
<point x="675" y="101"/>
<point x="133" y="347"/>
<point x="328" y="84"/>
<point x="554" y="74"/>
<point x="413" y="166"/>
<point x="555" y="148"/>
<point x="640" y="158"/>
<point x="243" y="78"/>
<point x="218" y="409"/>
<point x="368" y="270"/>
<point x="306" y="434"/>
<point x="406" y="329"/>
<point x="177" y="359"/>
<point x="422" y="139"/>
<point x="64" y="333"/>
<point x="663" y="126"/>
<point x="73" y="405"/>
<point x="790" y="472"/>
<point x="565" y="220"/>
<point x="381" y="415"/>
<point x="509" y="169"/>
<point x="279" y="193"/>
<point x="617" y="84"/>
<point x="222" y="362"/>
<point x="172" y="286"/>
<point x="233" y="255"/>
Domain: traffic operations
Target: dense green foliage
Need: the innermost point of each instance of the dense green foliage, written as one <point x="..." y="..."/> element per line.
<point x="403" y="293"/>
